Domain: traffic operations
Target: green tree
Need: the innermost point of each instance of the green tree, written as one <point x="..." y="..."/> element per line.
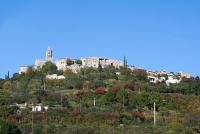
<point x="140" y="74"/>
<point x="68" y="72"/>
<point x="30" y="69"/>
<point x="7" y="85"/>
<point x="8" y="127"/>
<point x="79" y="62"/>
<point x="49" y="68"/>
<point x="110" y="96"/>
<point x="34" y="84"/>
<point x="163" y="112"/>
<point x="69" y="62"/>
<point x="122" y="96"/>
<point x="67" y="104"/>
<point x="97" y="83"/>
<point x="1" y="83"/>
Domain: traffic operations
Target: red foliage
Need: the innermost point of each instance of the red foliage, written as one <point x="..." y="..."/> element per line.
<point x="110" y="115"/>
<point x="137" y="115"/>
<point x="116" y="88"/>
<point x="41" y="117"/>
<point x="176" y="97"/>
<point x="76" y="112"/>
<point x="65" y="110"/>
<point x="100" y="90"/>
<point x="80" y="94"/>
<point x="62" y="98"/>
<point x="128" y="85"/>
<point x="15" y="117"/>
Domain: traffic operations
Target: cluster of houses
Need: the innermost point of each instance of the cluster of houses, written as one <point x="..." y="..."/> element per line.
<point x="167" y="77"/>
<point x="94" y="62"/>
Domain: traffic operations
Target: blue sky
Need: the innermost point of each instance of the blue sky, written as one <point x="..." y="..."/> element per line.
<point x="154" y="34"/>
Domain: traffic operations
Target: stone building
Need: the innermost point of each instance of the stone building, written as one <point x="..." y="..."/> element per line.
<point x="48" y="57"/>
<point x="185" y="74"/>
<point x="75" y="67"/>
<point x="95" y="61"/>
<point x="62" y="65"/>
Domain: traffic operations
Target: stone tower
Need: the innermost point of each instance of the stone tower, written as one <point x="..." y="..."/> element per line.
<point x="49" y="54"/>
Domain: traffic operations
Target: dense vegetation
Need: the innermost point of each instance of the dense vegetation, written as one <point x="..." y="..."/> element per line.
<point x="103" y="100"/>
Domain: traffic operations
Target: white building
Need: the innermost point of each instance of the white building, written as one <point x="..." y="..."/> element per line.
<point x="62" y="65"/>
<point x="22" y="106"/>
<point x="172" y="80"/>
<point x="154" y="79"/>
<point x="55" y="77"/>
<point x="185" y="74"/>
<point x="24" y="69"/>
<point x="39" y="108"/>
<point x="157" y="76"/>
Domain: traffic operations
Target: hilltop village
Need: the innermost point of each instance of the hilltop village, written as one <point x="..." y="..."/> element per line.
<point x="96" y="95"/>
<point x="94" y="62"/>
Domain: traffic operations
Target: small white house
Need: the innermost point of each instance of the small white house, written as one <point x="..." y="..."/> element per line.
<point x="156" y="79"/>
<point x="39" y="108"/>
<point x="172" y="80"/>
<point x="22" y="106"/>
<point x="55" y="77"/>
<point x="153" y="79"/>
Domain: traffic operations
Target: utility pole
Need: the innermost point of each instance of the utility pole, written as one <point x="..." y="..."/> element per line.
<point x="32" y="123"/>
<point x="44" y="85"/>
<point x="123" y="101"/>
<point x="80" y="104"/>
<point x="154" y="112"/>
<point x="94" y="101"/>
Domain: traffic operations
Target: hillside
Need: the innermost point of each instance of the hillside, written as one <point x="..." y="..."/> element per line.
<point x="98" y="100"/>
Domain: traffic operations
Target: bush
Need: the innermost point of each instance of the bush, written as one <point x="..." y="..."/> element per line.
<point x="69" y="62"/>
<point x="9" y="127"/>
<point x="79" y="62"/>
<point x="100" y="90"/>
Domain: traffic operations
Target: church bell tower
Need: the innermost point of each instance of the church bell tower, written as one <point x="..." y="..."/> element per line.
<point x="49" y="54"/>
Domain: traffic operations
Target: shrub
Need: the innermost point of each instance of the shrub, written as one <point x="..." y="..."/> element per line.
<point x="69" y="62"/>
<point x="100" y="90"/>
<point x="138" y="115"/>
<point x="79" y="62"/>
<point x="75" y="113"/>
<point x="128" y="85"/>
<point x="15" y="117"/>
<point x="110" y="116"/>
<point x="9" y="127"/>
<point x="116" y="88"/>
